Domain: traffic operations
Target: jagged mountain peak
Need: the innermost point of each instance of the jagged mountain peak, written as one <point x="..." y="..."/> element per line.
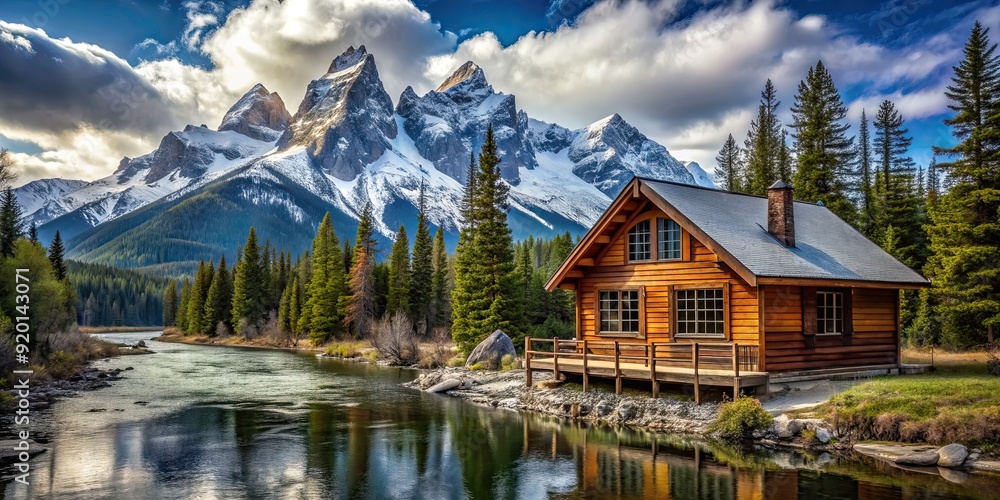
<point x="468" y="75"/>
<point x="345" y="120"/>
<point x="349" y="58"/>
<point x="259" y="114"/>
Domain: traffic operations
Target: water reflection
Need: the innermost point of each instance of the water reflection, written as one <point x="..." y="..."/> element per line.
<point x="336" y="430"/>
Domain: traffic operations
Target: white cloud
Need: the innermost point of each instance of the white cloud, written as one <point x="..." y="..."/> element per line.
<point x="685" y="84"/>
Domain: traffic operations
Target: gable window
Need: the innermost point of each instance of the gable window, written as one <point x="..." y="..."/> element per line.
<point x="668" y="239"/>
<point x="700" y="312"/>
<point x="640" y="242"/>
<point x="829" y="313"/>
<point x="619" y="311"/>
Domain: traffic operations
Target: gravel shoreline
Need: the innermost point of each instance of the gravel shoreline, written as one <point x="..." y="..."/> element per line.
<point x="507" y="390"/>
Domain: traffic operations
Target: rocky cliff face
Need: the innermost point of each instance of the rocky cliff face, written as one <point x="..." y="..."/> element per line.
<point x="259" y="114"/>
<point x="345" y="121"/>
<point x="448" y="124"/>
<point x="610" y="152"/>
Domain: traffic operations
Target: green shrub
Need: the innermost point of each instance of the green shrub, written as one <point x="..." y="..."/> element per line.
<point x="478" y="366"/>
<point x="344" y="349"/>
<point x="739" y="418"/>
<point x="508" y="362"/>
<point x="457" y="361"/>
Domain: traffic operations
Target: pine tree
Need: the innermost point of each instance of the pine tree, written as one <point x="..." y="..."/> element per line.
<point x="196" y="300"/>
<point x="439" y="283"/>
<point x="422" y="272"/>
<point x="484" y="288"/>
<point x="56" y="257"/>
<point x="824" y="149"/>
<point x="729" y="161"/>
<point x="248" y="291"/>
<point x="218" y="302"/>
<point x="33" y="232"/>
<point x="785" y="161"/>
<point x="399" y="274"/>
<point x="326" y="285"/>
<point x="867" y="215"/>
<point x="11" y="222"/>
<point x="183" y="307"/>
<point x="763" y="143"/>
<point x="897" y="189"/>
<point x="468" y="196"/>
<point x="964" y="230"/>
<point x="169" y="304"/>
<point x="360" y="307"/>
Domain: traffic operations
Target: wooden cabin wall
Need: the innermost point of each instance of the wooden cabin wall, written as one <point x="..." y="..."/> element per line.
<point x="611" y="272"/>
<point x="874" y="342"/>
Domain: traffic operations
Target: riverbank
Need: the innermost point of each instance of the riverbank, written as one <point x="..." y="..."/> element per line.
<point x="66" y="374"/>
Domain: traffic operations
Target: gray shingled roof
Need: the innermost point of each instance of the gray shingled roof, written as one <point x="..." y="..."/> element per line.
<point x="826" y="247"/>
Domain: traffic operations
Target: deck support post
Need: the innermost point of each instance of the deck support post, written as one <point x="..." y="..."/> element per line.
<point x="586" y="377"/>
<point x="618" y="371"/>
<point x="652" y="371"/>
<point x="694" y="363"/>
<point x="555" y="358"/>
<point x="527" y="361"/>
<point x="736" y="370"/>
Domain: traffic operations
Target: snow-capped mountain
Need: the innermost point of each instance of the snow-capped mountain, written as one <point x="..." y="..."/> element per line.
<point x="35" y="194"/>
<point x="345" y="146"/>
<point x="701" y="177"/>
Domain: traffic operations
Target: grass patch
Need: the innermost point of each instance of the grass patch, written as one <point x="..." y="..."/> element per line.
<point x="958" y="402"/>
<point x="345" y="349"/>
<point x="739" y="418"/>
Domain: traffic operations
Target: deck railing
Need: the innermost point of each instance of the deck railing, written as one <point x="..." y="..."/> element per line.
<point x="731" y="357"/>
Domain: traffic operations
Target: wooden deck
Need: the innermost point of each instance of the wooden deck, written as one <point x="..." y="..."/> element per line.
<point x="715" y="364"/>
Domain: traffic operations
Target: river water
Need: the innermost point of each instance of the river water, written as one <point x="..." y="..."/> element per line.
<point x="227" y="422"/>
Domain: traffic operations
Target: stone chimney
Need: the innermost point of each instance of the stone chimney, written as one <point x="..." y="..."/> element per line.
<point x="781" y="213"/>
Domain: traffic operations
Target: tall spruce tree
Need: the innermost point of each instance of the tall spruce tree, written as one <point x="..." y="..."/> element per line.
<point x="196" y="301"/>
<point x="399" y="274"/>
<point x="897" y="189"/>
<point x="729" y="161"/>
<point x="326" y="285"/>
<point x="360" y="307"/>
<point x="219" y="300"/>
<point x="169" y="304"/>
<point x="865" y="182"/>
<point x="439" y="283"/>
<point x="422" y="269"/>
<point x="764" y="143"/>
<point x="482" y="300"/>
<point x="248" y="291"/>
<point x="11" y="222"/>
<point x="821" y="141"/>
<point x="181" y="316"/>
<point x="33" y="232"/>
<point x="56" y="252"/>
<point x="965" y="228"/>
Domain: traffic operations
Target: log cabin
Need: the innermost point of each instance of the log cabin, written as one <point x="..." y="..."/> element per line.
<point x="676" y="280"/>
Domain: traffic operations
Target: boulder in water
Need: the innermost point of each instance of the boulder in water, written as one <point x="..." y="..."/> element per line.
<point x="490" y="351"/>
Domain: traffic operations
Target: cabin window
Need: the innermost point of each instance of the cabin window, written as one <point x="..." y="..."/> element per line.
<point x="668" y="239"/>
<point x="829" y="313"/>
<point x="639" y="242"/>
<point x="701" y="312"/>
<point x="619" y="310"/>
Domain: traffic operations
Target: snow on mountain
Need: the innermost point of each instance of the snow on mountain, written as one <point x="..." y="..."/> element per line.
<point x="185" y="159"/>
<point x="701" y="177"/>
<point x="449" y="124"/>
<point x="259" y="114"/>
<point x="345" y="119"/>
<point x="347" y="146"/>
<point x="609" y="152"/>
<point x="36" y="194"/>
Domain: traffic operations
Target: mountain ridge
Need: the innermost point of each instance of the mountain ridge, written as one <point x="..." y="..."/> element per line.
<point x="346" y="146"/>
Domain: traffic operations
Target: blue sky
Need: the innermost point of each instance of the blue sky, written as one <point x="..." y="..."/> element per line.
<point x="686" y="73"/>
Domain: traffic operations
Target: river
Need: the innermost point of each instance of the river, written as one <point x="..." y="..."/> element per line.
<point x="226" y="422"/>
